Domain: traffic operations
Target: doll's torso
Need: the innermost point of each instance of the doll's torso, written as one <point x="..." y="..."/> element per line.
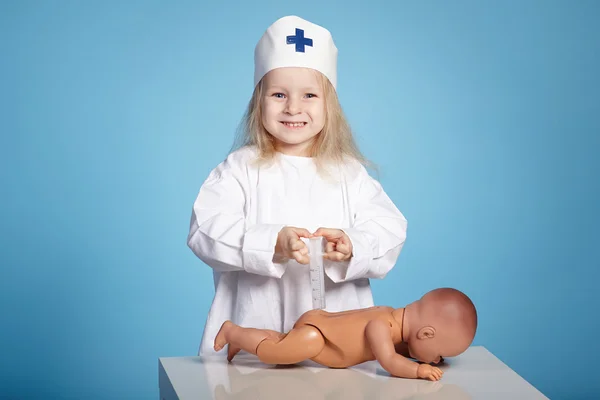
<point x="344" y="333"/>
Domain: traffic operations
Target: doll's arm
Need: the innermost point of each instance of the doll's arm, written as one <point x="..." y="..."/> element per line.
<point x="379" y="338"/>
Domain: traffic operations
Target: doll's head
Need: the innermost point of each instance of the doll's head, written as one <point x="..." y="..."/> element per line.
<point x="294" y="108"/>
<point x="440" y="324"/>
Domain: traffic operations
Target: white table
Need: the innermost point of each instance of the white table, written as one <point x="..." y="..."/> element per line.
<point x="475" y="374"/>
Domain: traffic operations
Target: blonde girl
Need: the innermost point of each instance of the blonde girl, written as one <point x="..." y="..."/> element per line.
<point x="294" y="173"/>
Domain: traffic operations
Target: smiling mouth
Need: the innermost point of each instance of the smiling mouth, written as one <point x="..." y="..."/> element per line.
<point x="293" y="124"/>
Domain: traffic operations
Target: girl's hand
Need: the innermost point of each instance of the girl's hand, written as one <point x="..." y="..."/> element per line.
<point x="339" y="246"/>
<point x="289" y="245"/>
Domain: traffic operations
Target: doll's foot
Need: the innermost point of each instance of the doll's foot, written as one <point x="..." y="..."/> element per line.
<point x="223" y="335"/>
<point x="232" y="351"/>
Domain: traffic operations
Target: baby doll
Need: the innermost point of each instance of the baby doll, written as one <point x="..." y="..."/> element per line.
<point x="442" y="323"/>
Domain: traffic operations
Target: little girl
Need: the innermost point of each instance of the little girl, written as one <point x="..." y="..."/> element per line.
<point x="296" y="174"/>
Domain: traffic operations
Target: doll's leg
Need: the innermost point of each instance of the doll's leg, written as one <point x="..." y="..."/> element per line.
<point x="271" y="347"/>
<point x="301" y="343"/>
<point x="238" y="338"/>
<point x="232" y="350"/>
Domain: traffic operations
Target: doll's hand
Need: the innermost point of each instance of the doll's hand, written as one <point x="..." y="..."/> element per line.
<point x="339" y="246"/>
<point x="427" y="371"/>
<point x="289" y="244"/>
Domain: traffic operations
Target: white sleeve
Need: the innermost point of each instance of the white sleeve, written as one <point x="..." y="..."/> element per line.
<point x="219" y="234"/>
<point x="377" y="234"/>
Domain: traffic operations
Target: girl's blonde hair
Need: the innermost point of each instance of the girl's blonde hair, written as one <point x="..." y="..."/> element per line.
<point x="333" y="145"/>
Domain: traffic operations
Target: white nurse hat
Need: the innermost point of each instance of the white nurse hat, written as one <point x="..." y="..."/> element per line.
<point x="294" y="42"/>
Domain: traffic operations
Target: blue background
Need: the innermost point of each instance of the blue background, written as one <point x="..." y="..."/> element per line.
<point x="483" y="118"/>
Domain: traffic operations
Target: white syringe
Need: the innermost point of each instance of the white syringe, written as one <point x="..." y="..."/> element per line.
<point x="317" y="274"/>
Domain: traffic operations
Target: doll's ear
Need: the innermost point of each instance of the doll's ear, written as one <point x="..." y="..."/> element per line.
<point x="427" y="332"/>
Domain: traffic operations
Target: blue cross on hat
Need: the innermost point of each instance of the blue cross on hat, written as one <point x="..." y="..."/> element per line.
<point x="299" y="40"/>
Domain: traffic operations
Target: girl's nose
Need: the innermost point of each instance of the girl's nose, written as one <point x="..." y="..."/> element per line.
<point x="292" y="107"/>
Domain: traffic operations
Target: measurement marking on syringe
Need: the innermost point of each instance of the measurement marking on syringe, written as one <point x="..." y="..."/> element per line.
<point x="317" y="275"/>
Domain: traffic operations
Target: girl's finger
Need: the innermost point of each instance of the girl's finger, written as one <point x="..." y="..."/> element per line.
<point x="334" y="256"/>
<point x="301" y="232"/>
<point x="327" y="233"/>
<point x="330" y="247"/>
<point x="297" y="244"/>
<point x="343" y="248"/>
<point x="302" y="259"/>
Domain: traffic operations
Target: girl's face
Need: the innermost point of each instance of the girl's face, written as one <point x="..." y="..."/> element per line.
<point x="293" y="108"/>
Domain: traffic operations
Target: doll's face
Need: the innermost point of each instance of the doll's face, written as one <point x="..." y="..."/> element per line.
<point x="429" y="345"/>
<point x="293" y="108"/>
<point x="425" y="351"/>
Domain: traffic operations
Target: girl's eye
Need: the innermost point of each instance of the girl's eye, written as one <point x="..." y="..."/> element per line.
<point x="311" y="95"/>
<point x="278" y="95"/>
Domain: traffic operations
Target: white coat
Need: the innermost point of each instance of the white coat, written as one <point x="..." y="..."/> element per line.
<point x="238" y="214"/>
